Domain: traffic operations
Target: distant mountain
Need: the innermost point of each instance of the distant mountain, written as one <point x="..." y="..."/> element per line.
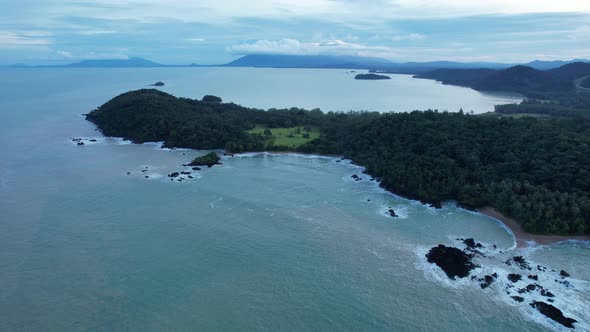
<point x="546" y="65"/>
<point x="114" y="63"/>
<point x="307" y="61"/>
<point x="521" y="79"/>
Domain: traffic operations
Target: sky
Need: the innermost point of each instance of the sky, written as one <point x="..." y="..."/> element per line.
<point x="218" y="31"/>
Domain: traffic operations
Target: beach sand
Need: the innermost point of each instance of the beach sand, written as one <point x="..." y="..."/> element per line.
<point x="524" y="239"/>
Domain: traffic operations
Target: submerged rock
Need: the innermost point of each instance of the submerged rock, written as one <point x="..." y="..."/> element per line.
<point x="454" y="262"/>
<point x="554" y="313"/>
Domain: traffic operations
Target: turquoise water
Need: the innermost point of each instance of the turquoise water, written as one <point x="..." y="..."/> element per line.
<point x="264" y="242"/>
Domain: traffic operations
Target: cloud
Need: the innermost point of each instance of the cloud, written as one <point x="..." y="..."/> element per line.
<point x="33" y="38"/>
<point x="96" y="32"/>
<point x="296" y="47"/>
<point x="411" y="37"/>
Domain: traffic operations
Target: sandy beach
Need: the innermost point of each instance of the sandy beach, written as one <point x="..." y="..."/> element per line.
<point x="523" y="238"/>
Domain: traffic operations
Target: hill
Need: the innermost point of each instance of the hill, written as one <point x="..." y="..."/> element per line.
<point x="520" y="79"/>
<point x="114" y="63"/>
<point x="306" y="61"/>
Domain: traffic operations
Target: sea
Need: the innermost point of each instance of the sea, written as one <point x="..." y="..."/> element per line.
<point x="98" y="238"/>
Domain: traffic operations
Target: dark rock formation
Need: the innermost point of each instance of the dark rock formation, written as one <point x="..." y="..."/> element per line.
<point x="174" y="175"/>
<point x="564" y="274"/>
<point x="514" y="277"/>
<point x="392" y="213"/>
<point x="518" y="298"/>
<point x="472" y="244"/>
<point x="80" y="143"/>
<point x="533" y="277"/>
<point x="454" y="262"/>
<point x="157" y="84"/>
<point x="554" y="313"/>
<point x="356" y="177"/>
<point x="486" y="281"/>
<point x="196" y="168"/>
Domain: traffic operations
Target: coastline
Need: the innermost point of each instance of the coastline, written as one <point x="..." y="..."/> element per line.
<point x="524" y="239"/>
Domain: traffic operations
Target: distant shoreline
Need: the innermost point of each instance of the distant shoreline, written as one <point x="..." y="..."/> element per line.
<point x="524" y="238"/>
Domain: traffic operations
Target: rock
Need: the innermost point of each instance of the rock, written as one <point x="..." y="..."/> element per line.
<point x="487" y="281"/>
<point x="495" y="275"/>
<point x="128" y="173"/>
<point x="144" y="170"/>
<point x="531" y="287"/>
<point x="547" y="293"/>
<point x="190" y="177"/>
<point x="554" y="313"/>
<point x="472" y="244"/>
<point x="185" y="173"/>
<point x="564" y="274"/>
<point x="147" y="176"/>
<point x="454" y="262"/>
<point x="518" y="298"/>
<point x="80" y="143"/>
<point x="93" y="140"/>
<point x="392" y="213"/>
<point x="157" y="84"/>
<point x="521" y="262"/>
<point x="196" y="168"/>
<point x="174" y="175"/>
<point x="356" y="177"/>
<point x="514" y="277"/>
<point x="533" y="277"/>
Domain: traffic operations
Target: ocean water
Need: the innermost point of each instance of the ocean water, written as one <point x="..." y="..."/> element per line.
<point x="264" y="242"/>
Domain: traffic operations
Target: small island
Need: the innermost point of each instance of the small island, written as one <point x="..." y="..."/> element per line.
<point x="157" y="84"/>
<point x="210" y="159"/>
<point x="371" y="77"/>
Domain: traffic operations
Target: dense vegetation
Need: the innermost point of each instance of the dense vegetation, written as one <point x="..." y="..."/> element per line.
<point x="209" y="160"/>
<point x="371" y="77"/>
<point x="533" y="83"/>
<point x="535" y="170"/>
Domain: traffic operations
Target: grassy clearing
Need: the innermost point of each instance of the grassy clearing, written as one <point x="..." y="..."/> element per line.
<point x="291" y="137"/>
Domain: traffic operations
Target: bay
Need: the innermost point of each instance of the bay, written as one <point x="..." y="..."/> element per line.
<point x="264" y="242"/>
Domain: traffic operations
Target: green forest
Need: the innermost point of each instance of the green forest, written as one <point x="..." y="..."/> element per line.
<point x="536" y="170"/>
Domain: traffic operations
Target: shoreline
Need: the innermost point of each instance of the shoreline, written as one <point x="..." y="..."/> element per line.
<point x="522" y="238"/>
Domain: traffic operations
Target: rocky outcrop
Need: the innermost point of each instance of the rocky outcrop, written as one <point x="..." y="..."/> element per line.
<point x="513" y="277"/>
<point x="454" y="262"/>
<point x="554" y="313"/>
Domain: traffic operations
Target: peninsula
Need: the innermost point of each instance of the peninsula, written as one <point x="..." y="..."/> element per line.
<point x="534" y="170"/>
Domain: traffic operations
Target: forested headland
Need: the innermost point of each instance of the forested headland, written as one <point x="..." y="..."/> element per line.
<point x="536" y="170"/>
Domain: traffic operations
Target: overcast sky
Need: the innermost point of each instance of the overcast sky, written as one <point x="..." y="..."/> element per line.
<point x="217" y="31"/>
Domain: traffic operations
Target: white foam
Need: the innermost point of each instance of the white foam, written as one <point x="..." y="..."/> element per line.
<point x="572" y="300"/>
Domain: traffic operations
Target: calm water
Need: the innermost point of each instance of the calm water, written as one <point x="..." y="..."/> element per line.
<point x="268" y="242"/>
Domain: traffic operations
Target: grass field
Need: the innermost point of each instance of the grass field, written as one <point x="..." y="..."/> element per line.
<point x="292" y="137"/>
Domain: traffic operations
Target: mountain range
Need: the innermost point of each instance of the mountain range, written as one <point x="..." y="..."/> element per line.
<point x="322" y="61"/>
